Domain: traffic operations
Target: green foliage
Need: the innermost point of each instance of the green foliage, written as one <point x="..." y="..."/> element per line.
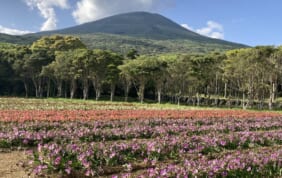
<point x="63" y="65"/>
<point x="21" y="40"/>
<point x="122" y="44"/>
<point x="58" y="43"/>
<point x="132" y="54"/>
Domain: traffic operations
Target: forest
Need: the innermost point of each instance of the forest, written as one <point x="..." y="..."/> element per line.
<point x="62" y="66"/>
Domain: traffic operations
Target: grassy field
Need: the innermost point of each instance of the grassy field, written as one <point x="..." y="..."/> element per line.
<point x="76" y="138"/>
<point x="60" y="103"/>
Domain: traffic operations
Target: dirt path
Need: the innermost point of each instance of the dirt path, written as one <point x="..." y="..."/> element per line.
<point x="9" y="165"/>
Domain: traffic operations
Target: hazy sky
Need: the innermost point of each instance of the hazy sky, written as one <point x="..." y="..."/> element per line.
<point x="252" y="22"/>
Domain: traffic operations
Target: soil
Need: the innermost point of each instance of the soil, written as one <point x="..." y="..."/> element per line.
<point x="11" y="165"/>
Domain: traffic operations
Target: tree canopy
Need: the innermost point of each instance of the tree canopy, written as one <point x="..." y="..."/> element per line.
<point x="63" y="67"/>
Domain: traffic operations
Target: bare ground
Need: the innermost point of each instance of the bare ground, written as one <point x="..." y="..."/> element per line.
<point x="10" y="165"/>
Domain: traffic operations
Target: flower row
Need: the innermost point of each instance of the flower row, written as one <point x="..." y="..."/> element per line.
<point x="264" y="162"/>
<point x="29" y="134"/>
<point x="96" y="157"/>
<point x="72" y="115"/>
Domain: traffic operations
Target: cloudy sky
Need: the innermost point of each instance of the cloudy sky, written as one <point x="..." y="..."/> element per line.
<point x="252" y="22"/>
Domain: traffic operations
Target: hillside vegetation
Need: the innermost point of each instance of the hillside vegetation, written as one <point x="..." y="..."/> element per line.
<point x="149" y="33"/>
<point x="63" y="66"/>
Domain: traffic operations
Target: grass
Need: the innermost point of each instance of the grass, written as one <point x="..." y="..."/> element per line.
<point x="64" y="103"/>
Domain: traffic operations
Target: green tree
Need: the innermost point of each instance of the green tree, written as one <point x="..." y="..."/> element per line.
<point x="180" y="76"/>
<point x="132" y="54"/>
<point x="112" y="74"/>
<point x="159" y="73"/>
<point x="33" y="64"/>
<point x="140" y="72"/>
<point x="98" y="65"/>
<point x="58" y="43"/>
<point x="81" y="67"/>
<point x="65" y="49"/>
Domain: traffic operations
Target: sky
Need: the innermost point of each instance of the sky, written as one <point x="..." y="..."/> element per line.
<point x="250" y="22"/>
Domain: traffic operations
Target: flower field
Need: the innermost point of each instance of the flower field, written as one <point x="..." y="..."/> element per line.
<point x="115" y="140"/>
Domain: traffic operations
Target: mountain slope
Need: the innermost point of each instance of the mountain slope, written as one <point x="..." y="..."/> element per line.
<point x="5" y="38"/>
<point x="138" y="24"/>
<point x="122" y="44"/>
<point x="147" y="32"/>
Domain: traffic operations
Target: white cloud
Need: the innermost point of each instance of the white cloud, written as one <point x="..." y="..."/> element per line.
<point x="215" y="25"/>
<point x="90" y="10"/>
<point x="217" y="35"/>
<point x="187" y="27"/>
<point x="12" y="31"/>
<point x="47" y="11"/>
<point x="213" y="30"/>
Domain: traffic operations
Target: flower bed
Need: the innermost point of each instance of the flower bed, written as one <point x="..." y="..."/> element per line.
<point x="156" y="143"/>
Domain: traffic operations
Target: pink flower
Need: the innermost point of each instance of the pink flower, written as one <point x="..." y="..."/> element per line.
<point x="57" y="160"/>
<point x="222" y="142"/>
<point x="68" y="170"/>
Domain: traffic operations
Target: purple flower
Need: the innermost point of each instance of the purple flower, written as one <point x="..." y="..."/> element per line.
<point x="125" y="176"/>
<point x="68" y="170"/>
<point x="89" y="172"/>
<point x="25" y="141"/>
<point x="57" y="160"/>
<point x="163" y="172"/>
<point x="222" y="142"/>
<point x="224" y="173"/>
<point x="112" y="155"/>
<point x="38" y="169"/>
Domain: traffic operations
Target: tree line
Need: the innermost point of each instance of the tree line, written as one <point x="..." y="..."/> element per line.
<point x="62" y="66"/>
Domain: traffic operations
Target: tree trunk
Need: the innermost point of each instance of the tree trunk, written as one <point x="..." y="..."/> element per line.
<point x="40" y="89"/>
<point x="216" y="85"/>
<point x="97" y="87"/>
<point x="193" y="100"/>
<point x="225" y="89"/>
<point x="251" y="93"/>
<point x="216" y="91"/>
<point x="59" y="87"/>
<point x="141" y="91"/>
<point x="36" y="87"/>
<point x="198" y="99"/>
<point x="126" y="86"/>
<point x="65" y="90"/>
<point x="48" y="87"/>
<point x="53" y="91"/>
<point x="113" y="87"/>
<point x="126" y="91"/>
<point x="73" y="88"/>
<point x="178" y="100"/>
<point x="25" y="88"/>
<point x="85" y="89"/>
<point x="207" y="94"/>
<point x="272" y="96"/>
<point x="159" y="91"/>
<point x="243" y="102"/>
<point x="98" y="94"/>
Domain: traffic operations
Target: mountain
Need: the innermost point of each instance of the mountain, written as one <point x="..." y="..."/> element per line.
<point x="147" y="32"/>
<point x="137" y="24"/>
<point x="5" y="38"/>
